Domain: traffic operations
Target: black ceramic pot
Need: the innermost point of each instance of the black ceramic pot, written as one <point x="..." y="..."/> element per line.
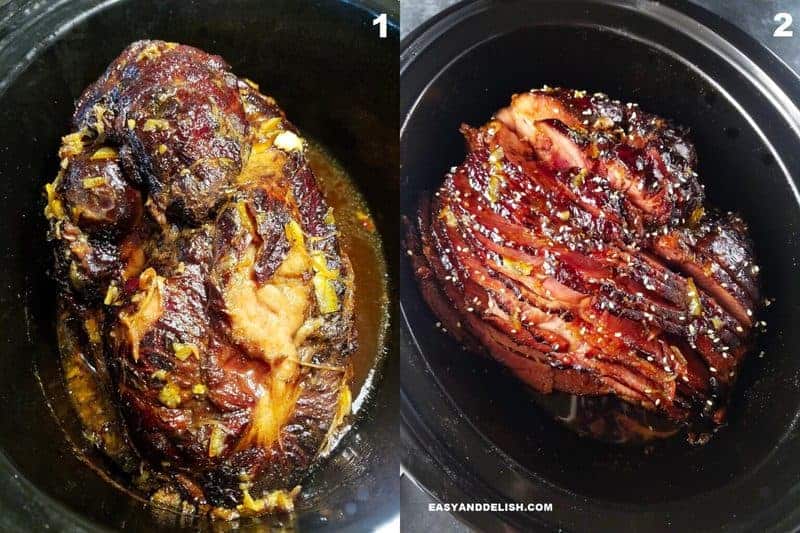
<point x="473" y="433"/>
<point x="324" y="63"/>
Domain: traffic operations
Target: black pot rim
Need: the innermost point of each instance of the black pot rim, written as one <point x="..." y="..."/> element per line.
<point x="422" y="447"/>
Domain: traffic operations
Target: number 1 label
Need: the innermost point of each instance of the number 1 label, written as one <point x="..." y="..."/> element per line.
<point x="380" y="21"/>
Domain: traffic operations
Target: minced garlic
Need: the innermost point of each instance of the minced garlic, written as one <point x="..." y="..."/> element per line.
<point x="695" y="307"/>
<point x="105" y="152"/>
<point x="54" y="207"/>
<point x="449" y="218"/>
<point x="170" y="395"/>
<point x="155" y="124"/>
<point x="327" y="298"/>
<point x="281" y="500"/>
<point x="94" y="181"/>
<point x="71" y="145"/>
<point x="183" y="351"/>
<point x="518" y="266"/>
<point x="294" y="233"/>
<point x="111" y="295"/>
<point x="216" y="442"/>
<point x="320" y="264"/>
<point x="289" y="142"/>
<point x="92" y="330"/>
<point x="697" y="215"/>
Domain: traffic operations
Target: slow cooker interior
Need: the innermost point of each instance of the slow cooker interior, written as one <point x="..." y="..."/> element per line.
<point x="530" y="457"/>
<point x="335" y="79"/>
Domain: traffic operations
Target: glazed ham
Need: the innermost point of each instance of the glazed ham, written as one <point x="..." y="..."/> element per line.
<point x="202" y="280"/>
<point x="574" y="246"/>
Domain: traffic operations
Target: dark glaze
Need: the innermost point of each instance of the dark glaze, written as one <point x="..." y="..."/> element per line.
<point x="94" y="405"/>
<point x="186" y="164"/>
<point x="203" y="282"/>
<point x="573" y="245"/>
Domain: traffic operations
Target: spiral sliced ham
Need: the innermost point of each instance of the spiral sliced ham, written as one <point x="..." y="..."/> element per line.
<point x="574" y="245"/>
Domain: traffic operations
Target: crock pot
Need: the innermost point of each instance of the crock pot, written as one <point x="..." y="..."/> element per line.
<point x="470" y="432"/>
<point x="327" y="67"/>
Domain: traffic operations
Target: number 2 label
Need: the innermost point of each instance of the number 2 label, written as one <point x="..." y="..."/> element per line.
<point x="381" y="22"/>
<point x="783" y="30"/>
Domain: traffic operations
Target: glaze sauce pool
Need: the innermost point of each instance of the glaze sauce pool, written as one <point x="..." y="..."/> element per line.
<point x="606" y="418"/>
<point x="362" y="244"/>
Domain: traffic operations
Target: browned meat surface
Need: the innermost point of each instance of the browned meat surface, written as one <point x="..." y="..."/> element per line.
<point x="573" y="245"/>
<point x="201" y="264"/>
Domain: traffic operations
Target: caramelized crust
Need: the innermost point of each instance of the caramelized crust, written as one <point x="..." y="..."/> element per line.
<point x="573" y="245"/>
<point x="187" y="224"/>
